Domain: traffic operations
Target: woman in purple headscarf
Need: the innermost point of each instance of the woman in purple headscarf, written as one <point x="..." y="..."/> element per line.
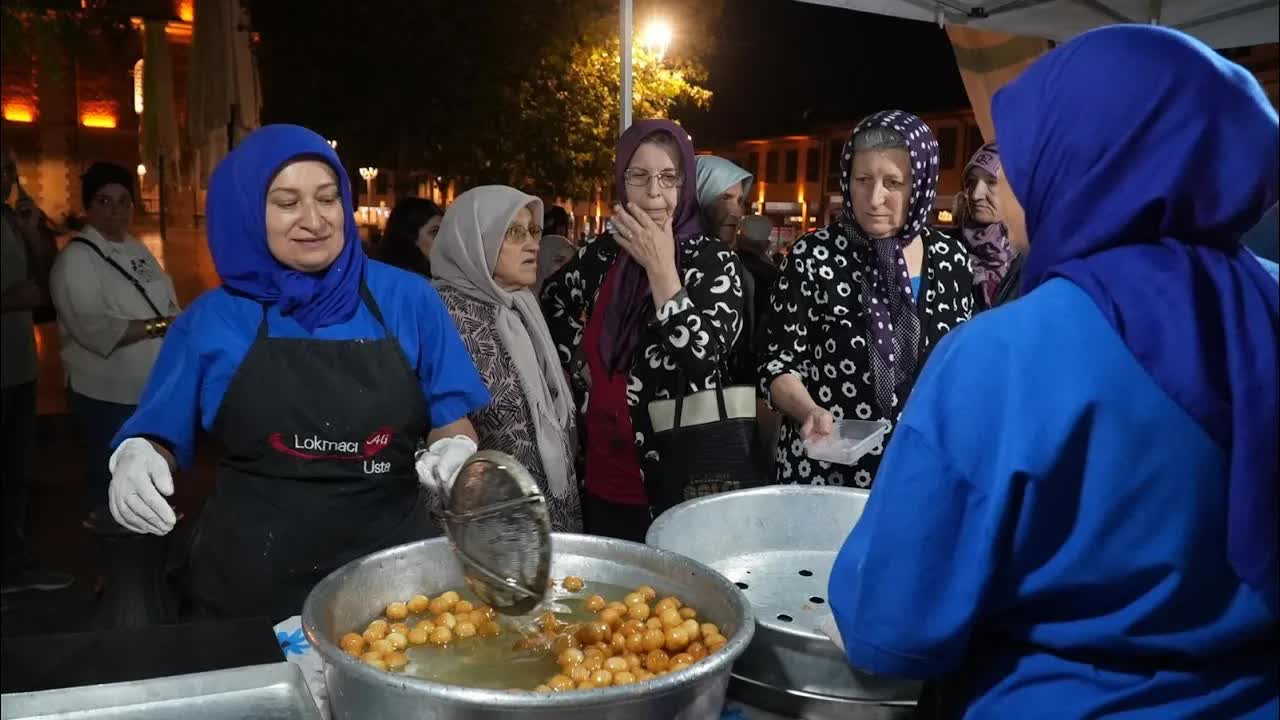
<point x="995" y="263"/>
<point x="647" y="307"/>
<point x="858" y="304"/>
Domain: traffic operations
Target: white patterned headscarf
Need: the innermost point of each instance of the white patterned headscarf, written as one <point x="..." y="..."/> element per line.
<point x="464" y="257"/>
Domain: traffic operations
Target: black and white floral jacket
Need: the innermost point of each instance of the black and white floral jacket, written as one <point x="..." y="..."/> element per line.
<point x="694" y="332"/>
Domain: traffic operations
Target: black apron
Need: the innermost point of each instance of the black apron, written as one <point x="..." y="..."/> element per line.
<point x="318" y="470"/>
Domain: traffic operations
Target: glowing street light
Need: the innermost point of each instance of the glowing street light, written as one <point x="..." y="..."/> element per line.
<point x="369" y="173"/>
<point x="657" y="37"/>
<point x="142" y="171"/>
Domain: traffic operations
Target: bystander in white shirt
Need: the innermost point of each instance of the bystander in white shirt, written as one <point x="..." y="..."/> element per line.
<point x="95" y="303"/>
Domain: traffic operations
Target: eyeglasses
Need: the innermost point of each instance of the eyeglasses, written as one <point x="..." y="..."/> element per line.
<point x="106" y="202"/>
<point x="668" y="179"/>
<point x="520" y="234"/>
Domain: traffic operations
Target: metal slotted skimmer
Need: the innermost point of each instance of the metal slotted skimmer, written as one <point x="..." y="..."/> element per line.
<point x="498" y="522"/>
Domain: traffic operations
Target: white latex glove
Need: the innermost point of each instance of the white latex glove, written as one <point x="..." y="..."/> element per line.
<point x="140" y="479"/>
<point x="439" y="464"/>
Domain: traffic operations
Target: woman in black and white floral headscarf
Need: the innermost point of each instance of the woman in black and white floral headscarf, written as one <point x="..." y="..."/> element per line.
<point x="859" y="303"/>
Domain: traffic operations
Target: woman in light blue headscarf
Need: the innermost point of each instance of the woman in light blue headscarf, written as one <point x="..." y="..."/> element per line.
<point x="1091" y="531"/>
<point x="318" y="370"/>
<point x="722" y="193"/>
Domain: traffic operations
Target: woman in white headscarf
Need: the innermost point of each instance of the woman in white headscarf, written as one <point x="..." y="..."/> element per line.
<point x="722" y="192"/>
<point x="483" y="263"/>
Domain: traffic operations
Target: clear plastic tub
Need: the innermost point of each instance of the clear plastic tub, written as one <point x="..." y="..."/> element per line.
<point x="848" y="441"/>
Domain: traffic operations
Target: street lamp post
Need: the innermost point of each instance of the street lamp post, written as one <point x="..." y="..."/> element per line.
<point x="625" y="90"/>
<point x="369" y="173"/>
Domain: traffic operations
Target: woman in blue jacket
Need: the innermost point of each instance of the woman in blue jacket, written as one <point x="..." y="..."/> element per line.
<point x="316" y="369"/>
<point x="1077" y="515"/>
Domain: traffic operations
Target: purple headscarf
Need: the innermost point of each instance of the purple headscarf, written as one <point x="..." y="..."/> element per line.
<point x="988" y="245"/>
<point x="893" y="328"/>
<point x="630" y="307"/>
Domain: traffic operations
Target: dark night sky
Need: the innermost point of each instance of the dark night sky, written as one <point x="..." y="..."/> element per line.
<point x="780" y="66"/>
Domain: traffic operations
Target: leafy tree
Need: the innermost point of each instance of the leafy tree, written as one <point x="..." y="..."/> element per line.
<point x="571" y="109"/>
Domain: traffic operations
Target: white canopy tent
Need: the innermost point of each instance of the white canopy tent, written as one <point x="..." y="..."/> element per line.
<point x="1219" y="23"/>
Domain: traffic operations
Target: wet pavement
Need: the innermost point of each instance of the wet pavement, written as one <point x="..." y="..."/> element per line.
<point x="58" y="539"/>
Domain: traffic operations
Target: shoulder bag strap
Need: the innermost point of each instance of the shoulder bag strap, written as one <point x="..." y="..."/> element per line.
<point x="141" y="290"/>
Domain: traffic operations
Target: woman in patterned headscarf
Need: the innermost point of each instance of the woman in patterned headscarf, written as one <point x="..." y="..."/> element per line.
<point x="994" y="262"/>
<point x="858" y="304"/>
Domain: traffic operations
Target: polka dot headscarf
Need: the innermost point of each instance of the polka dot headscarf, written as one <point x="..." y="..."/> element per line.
<point x="893" y="327"/>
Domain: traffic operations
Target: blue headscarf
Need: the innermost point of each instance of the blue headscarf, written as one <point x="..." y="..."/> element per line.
<point x="236" y="210"/>
<point x="1138" y="186"/>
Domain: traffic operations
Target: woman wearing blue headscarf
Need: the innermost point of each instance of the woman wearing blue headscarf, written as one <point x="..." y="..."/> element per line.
<point x="1091" y="531"/>
<point x="317" y="369"/>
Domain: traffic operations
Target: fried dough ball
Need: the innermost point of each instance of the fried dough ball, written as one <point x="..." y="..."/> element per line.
<point x="696" y="650"/>
<point x="419" y="636"/>
<point x="657" y="661"/>
<point x="560" y="683"/>
<point x="352" y="644"/>
<point x="395" y="660"/>
<point x="595" y="604"/>
<point x="397" y="611"/>
<point x="677" y="639"/>
<point x="441" y="636"/>
<point x="381" y="646"/>
<point x="398" y="641"/>
<point x="573" y="583"/>
<point x="465" y="630"/>
<point x="419" y="604"/>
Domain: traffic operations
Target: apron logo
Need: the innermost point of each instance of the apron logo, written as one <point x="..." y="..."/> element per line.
<point x="316" y="448"/>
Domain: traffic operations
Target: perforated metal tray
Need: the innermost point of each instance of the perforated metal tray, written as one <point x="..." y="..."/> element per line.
<point x="262" y="692"/>
<point x="778" y="544"/>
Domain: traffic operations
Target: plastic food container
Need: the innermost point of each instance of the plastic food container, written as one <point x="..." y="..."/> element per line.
<point x="848" y="441"/>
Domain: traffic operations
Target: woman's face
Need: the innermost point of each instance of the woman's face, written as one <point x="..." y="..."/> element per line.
<point x="1015" y="218"/>
<point x="110" y="211"/>
<point x="427" y="235"/>
<point x="657" y="201"/>
<point x="725" y="213"/>
<point x="517" y="266"/>
<point x="305" y="218"/>
<point x="980" y="191"/>
<point x="880" y="187"/>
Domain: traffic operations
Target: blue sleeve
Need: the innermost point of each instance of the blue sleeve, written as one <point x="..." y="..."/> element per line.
<point x="452" y="385"/>
<point x="909" y="584"/>
<point x="170" y="404"/>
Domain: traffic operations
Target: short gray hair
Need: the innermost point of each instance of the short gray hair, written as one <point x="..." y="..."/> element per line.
<point x="878" y="138"/>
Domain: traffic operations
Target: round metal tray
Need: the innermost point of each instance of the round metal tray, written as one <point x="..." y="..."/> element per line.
<point x="777" y="544"/>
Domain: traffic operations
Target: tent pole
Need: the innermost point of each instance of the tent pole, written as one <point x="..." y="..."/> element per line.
<point x="625" y="90"/>
<point x="163" y="195"/>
